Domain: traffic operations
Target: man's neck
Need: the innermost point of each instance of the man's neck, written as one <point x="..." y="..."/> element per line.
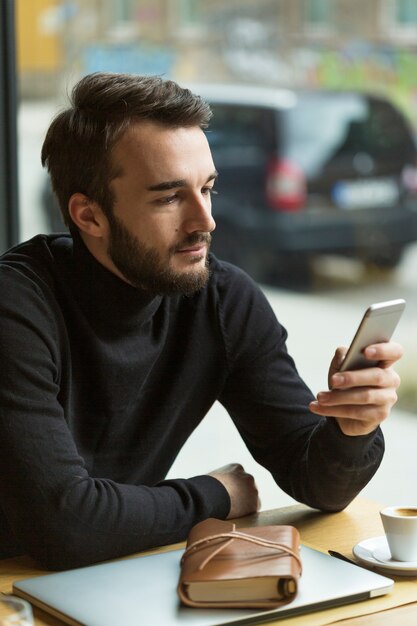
<point x="98" y="249"/>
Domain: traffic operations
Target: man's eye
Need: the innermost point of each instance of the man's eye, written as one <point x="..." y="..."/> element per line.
<point x="209" y="190"/>
<point x="168" y="199"/>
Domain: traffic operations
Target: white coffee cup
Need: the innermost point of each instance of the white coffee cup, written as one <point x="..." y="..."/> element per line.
<point x="15" y="612"/>
<point x="400" y="525"/>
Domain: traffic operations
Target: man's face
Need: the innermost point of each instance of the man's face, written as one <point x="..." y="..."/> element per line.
<point x="159" y="232"/>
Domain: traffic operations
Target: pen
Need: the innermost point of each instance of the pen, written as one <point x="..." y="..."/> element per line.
<point x="342" y="557"/>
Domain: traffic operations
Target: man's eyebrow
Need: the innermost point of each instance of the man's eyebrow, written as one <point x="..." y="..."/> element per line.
<point x="174" y="184"/>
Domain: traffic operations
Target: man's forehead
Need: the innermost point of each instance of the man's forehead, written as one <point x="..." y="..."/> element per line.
<point x="152" y="134"/>
<point x="163" y="154"/>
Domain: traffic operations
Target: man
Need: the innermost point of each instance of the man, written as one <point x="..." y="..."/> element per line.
<point x="117" y="339"/>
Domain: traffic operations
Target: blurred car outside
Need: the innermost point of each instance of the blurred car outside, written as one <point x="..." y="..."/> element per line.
<point x="306" y="173"/>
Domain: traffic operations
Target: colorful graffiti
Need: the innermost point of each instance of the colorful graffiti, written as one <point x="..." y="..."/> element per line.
<point x="389" y="71"/>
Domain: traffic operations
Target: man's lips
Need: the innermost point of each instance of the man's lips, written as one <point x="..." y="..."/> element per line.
<point x="196" y="249"/>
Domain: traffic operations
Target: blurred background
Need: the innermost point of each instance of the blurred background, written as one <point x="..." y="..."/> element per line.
<point x="314" y="135"/>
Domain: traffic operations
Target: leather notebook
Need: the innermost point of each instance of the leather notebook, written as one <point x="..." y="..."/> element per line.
<point x="250" y="567"/>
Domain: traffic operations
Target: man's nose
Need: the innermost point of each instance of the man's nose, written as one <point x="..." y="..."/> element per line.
<point x="199" y="216"/>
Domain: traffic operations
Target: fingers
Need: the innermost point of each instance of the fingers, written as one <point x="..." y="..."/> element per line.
<point x="356" y="397"/>
<point x="373" y="387"/>
<point x="363" y="406"/>
<point x="227" y="469"/>
<point x="386" y="353"/>
<point x="358" y="418"/>
<point x="337" y="361"/>
<point x="339" y="355"/>
<point x="241" y="487"/>
<point x="369" y="377"/>
<point x="360" y="400"/>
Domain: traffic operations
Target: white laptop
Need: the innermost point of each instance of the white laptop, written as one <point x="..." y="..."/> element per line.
<point x="142" y="590"/>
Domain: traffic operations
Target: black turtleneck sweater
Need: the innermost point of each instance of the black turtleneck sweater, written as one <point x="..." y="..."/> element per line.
<point x="101" y="385"/>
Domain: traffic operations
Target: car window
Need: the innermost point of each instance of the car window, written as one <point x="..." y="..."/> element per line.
<point x="339" y="126"/>
<point x="239" y="134"/>
<point x="387" y="131"/>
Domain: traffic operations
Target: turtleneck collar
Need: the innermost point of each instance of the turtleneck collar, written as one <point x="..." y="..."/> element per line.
<point x="104" y="295"/>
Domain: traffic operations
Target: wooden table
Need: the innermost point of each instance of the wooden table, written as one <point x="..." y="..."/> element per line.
<point x="336" y="531"/>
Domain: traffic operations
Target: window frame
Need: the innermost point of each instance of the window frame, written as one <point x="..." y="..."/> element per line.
<point x="9" y="204"/>
<point x="321" y="27"/>
<point x="398" y="30"/>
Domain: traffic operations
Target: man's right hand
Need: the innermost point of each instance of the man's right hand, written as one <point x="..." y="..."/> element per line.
<point x="241" y="487"/>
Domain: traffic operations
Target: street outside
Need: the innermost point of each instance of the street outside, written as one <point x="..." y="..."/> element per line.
<point x="317" y="322"/>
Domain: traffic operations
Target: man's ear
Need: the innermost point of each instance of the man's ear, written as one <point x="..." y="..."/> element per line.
<point x="87" y="215"/>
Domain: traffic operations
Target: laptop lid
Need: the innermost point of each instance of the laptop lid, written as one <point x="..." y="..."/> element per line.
<point x="142" y="590"/>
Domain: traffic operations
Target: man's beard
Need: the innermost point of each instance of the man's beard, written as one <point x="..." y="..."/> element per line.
<point x="144" y="268"/>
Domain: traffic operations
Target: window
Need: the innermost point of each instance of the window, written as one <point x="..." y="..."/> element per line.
<point x="187" y="15"/>
<point x="189" y="12"/>
<point x="239" y="129"/>
<point x="401" y="18"/>
<point x="8" y="147"/>
<point x="406" y="13"/>
<point x="317" y="15"/>
<point x="122" y="10"/>
<point x="317" y="11"/>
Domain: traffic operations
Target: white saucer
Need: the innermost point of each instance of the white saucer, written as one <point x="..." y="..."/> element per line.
<point x="375" y="552"/>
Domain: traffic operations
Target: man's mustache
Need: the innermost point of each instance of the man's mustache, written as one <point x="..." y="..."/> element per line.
<point x="191" y="240"/>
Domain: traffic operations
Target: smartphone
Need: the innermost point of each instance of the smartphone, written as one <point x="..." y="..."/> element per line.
<point x="377" y="325"/>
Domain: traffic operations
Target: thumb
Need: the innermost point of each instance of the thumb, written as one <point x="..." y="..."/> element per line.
<point x="336" y="362"/>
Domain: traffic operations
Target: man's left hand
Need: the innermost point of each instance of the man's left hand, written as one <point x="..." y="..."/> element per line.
<point x="360" y="400"/>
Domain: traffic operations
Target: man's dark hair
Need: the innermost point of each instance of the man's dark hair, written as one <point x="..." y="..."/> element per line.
<point x="78" y="144"/>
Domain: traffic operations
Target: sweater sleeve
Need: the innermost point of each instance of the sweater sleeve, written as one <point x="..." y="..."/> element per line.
<point x="309" y="456"/>
<point x="50" y="507"/>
